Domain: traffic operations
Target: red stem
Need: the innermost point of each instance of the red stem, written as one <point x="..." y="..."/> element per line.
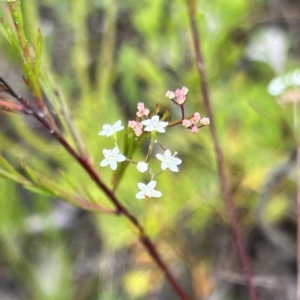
<point x="13" y="107"/>
<point x="121" y="210"/>
<point x="224" y="186"/>
<point x="298" y="218"/>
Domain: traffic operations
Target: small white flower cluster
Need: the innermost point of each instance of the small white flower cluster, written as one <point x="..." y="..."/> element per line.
<point x="146" y="122"/>
<point x="112" y="157"/>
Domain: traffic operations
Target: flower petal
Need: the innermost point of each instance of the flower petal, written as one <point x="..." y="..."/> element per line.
<point x="117" y="126"/>
<point x="104" y="163"/>
<point x="173" y="168"/>
<point x="160" y="129"/>
<point x="120" y="158"/>
<point x="164" y="165"/>
<point x="160" y="157"/>
<point x="167" y="154"/>
<point x="142" y="186"/>
<point x="113" y="165"/>
<point x="151" y="185"/>
<point x="106" y="152"/>
<point x="146" y="122"/>
<point x="156" y="194"/>
<point x="140" y="195"/>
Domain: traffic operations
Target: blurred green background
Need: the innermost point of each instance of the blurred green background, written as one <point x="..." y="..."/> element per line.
<point x="106" y="56"/>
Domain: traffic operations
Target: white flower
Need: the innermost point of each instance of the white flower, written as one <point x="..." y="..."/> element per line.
<point x="169" y="161"/>
<point x="142" y="166"/>
<point x="148" y="191"/>
<point x="276" y="86"/>
<point x="279" y="84"/>
<point x="154" y="124"/>
<point x="109" y="130"/>
<point x="111" y="158"/>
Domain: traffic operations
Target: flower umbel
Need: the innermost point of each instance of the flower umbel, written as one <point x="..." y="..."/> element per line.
<point x="149" y="121"/>
<point x="194" y="120"/>
<point x="148" y="191"/>
<point x="112" y="157"/>
<point x="169" y="161"/>
<point x="109" y="130"/>
<point x="154" y="124"/>
<point x="180" y="94"/>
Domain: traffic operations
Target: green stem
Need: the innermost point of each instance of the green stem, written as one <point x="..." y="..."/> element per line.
<point x="153" y="137"/>
<point x="28" y="62"/>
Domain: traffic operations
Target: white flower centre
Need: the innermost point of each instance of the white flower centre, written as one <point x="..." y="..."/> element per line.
<point x="147" y="193"/>
<point x="112" y="157"/>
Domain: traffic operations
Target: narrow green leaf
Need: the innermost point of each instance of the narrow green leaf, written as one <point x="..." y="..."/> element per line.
<point x="7" y="166"/>
<point x="9" y="35"/>
<point x="38" y="190"/>
<point x="28" y="63"/>
<point x="6" y="175"/>
<point x="39" y="47"/>
<point x="44" y="186"/>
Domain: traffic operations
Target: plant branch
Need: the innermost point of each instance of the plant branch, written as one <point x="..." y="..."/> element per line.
<point x="120" y="209"/>
<point x="297" y="142"/>
<point x="298" y="221"/>
<point x="224" y="186"/>
<point x="27" y="60"/>
<point x="13" y="107"/>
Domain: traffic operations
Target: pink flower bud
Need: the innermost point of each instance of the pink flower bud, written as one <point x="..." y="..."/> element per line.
<point x="170" y="95"/>
<point x="142" y="111"/>
<point x="195" y="129"/>
<point x="186" y="123"/>
<point x="138" y="129"/>
<point x="205" y="121"/>
<point x="131" y="124"/>
<point x="136" y="126"/>
<point x="196" y="118"/>
<point x="181" y="95"/>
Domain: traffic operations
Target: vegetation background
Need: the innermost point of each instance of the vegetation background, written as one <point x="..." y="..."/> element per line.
<point x="105" y="57"/>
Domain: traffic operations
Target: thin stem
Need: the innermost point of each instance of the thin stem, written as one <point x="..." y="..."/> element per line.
<point x="298" y="222"/>
<point x="224" y="186"/>
<point x="13" y="107"/>
<point x="152" y="141"/>
<point x="27" y="60"/>
<point x="120" y="209"/>
<point x="174" y="123"/>
<point x="296" y="137"/>
<point x="182" y="111"/>
<point x="296" y="122"/>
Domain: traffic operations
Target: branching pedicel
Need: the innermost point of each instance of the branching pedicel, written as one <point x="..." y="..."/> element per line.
<point x="145" y="123"/>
